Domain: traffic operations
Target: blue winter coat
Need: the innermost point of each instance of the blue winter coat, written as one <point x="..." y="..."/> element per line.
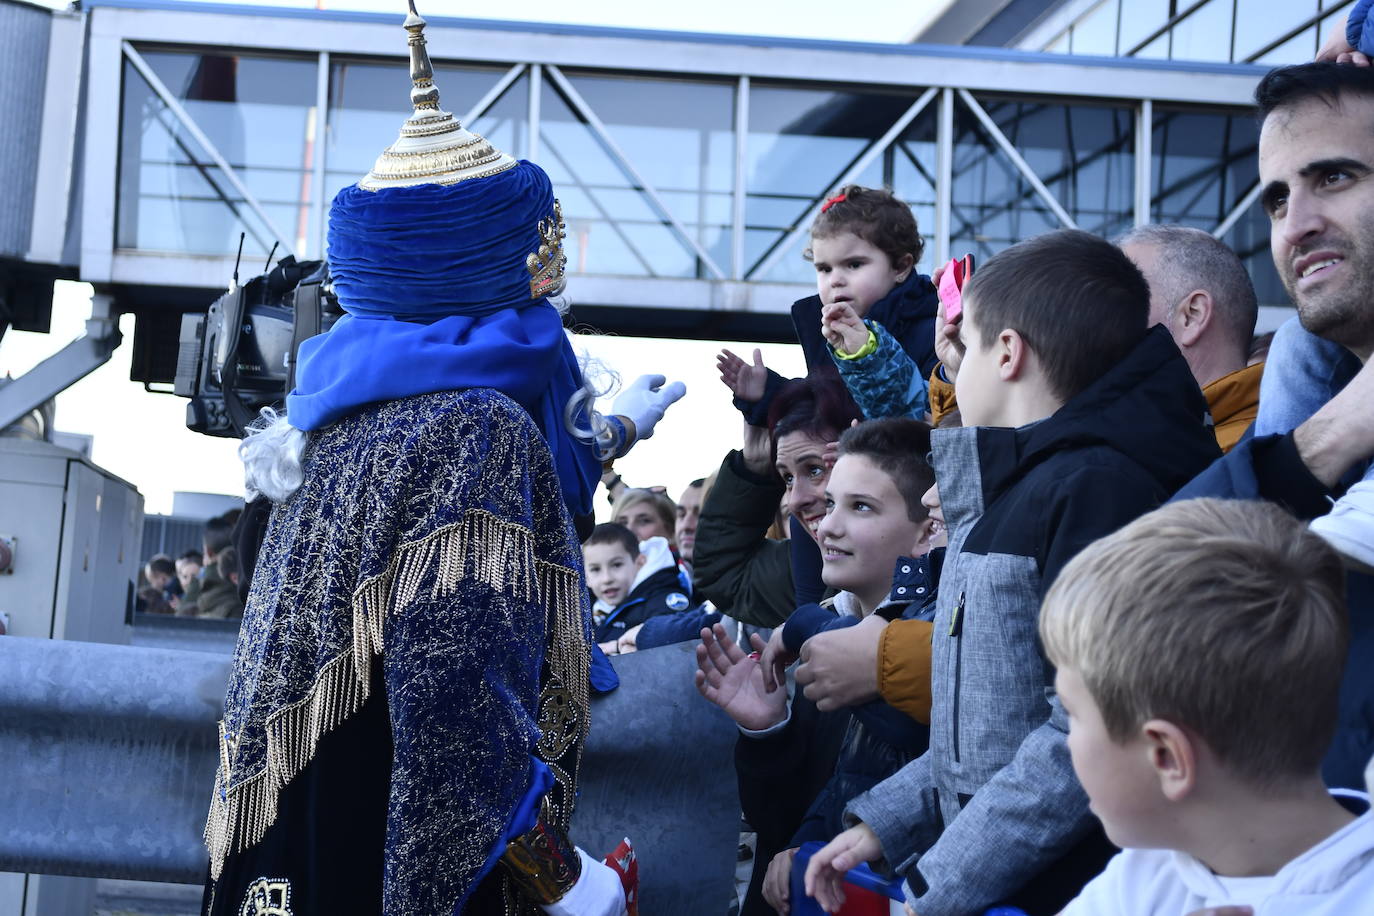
<point x="1359" y="28"/>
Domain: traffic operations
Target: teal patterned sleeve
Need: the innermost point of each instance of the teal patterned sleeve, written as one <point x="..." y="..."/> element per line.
<point x="885" y="383"/>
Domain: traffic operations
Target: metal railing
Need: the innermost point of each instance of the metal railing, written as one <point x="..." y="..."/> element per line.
<point x="108" y="756"/>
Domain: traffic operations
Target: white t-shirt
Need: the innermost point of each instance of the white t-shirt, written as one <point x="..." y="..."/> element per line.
<point x="1333" y="878"/>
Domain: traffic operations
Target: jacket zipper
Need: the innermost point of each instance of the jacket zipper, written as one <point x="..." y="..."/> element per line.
<point x="956" y="631"/>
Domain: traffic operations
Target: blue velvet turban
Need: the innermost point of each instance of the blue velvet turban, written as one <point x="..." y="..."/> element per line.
<point x="428" y="251"/>
<point x="437" y="296"/>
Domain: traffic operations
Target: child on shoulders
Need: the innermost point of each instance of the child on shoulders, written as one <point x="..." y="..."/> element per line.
<point x="865" y="246"/>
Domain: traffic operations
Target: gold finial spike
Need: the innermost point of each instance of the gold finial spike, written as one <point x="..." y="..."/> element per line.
<point x="433" y="148"/>
<point x="424" y="95"/>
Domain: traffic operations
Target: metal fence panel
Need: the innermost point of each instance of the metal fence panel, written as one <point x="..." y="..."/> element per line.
<point x="108" y="755"/>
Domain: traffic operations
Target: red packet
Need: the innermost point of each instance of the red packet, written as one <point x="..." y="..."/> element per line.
<point x="624" y="863"/>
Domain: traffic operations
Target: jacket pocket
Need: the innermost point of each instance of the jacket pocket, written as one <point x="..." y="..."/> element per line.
<point x="956" y="632"/>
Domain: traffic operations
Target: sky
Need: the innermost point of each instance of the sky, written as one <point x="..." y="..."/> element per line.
<point x="142" y="436"/>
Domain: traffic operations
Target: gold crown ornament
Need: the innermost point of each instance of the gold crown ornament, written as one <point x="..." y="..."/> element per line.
<point x="546" y="266"/>
<point x="433" y="147"/>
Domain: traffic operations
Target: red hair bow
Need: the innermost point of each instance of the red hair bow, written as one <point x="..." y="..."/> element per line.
<point x="833" y="201"/>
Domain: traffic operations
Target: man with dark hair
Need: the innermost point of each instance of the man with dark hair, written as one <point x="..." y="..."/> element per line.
<point x="1315" y="431"/>
<point x="1200" y="292"/>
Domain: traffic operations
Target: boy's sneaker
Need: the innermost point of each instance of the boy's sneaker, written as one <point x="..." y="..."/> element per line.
<point x="1349" y="527"/>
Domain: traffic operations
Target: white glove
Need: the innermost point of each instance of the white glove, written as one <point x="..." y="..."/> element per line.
<point x="644" y="401"/>
<point x="598" y="892"/>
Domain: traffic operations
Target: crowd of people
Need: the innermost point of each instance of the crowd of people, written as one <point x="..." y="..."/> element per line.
<point x="1075" y="625"/>
<point x="1048" y="586"/>
<point x="204" y="582"/>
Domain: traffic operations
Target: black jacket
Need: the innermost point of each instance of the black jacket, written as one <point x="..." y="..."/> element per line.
<point x="908" y="313"/>
<point x="660" y="593"/>
<point x="735" y="565"/>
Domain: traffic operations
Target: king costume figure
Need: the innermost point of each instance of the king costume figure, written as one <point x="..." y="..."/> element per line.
<point x="409" y="696"/>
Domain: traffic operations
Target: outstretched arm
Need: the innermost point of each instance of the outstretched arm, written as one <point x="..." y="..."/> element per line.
<point x="734" y="681"/>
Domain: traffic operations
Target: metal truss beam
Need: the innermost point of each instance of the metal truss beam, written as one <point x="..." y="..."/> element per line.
<point x="66" y="367"/>
<point x="977" y="69"/>
<point x="579" y="104"/>
<point x="1238" y="211"/>
<point x="494" y="94"/>
<point x="181" y="114"/>
<point x="1016" y="159"/>
<point x="856" y="168"/>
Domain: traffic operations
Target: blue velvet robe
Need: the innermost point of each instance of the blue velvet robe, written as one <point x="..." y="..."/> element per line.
<point x="414" y="652"/>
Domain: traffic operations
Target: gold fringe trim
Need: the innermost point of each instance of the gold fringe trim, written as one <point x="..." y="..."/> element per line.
<point x="480" y="546"/>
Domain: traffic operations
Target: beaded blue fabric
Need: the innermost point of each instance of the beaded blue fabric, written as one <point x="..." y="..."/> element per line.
<point x="429" y="537"/>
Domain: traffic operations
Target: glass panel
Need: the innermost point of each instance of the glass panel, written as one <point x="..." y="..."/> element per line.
<point x="801" y="141"/>
<point x="368" y="102"/>
<point x="1260" y="22"/>
<point x="1297" y="50"/>
<point x="1060" y="45"/>
<point x="910" y="173"/>
<point x="1095" y="33"/>
<point x="1084" y="155"/>
<point x="1205" y="34"/>
<point x="680" y="137"/>
<point x="1157" y="49"/>
<point x="1203" y="164"/>
<point x="259" y="113"/>
<point x="1139" y="20"/>
<point x="1337" y="18"/>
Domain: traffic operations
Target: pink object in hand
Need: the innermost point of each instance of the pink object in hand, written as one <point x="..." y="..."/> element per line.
<point x="950" y="281"/>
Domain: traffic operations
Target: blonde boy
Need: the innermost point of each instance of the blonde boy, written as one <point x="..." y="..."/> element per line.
<point x="1199" y="654"/>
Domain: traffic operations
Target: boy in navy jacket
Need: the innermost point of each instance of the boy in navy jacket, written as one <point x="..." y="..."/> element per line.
<point x="630" y="582"/>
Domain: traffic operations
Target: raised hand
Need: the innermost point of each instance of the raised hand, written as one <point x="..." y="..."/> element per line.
<point x="645" y="400"/>
<point x="734" y="681"/>
<point x="843" y="328"/>
<point x="747" y="381"/>
<point x="1337" y="47"/>
<point x="825" y="872"/>
<point x="832" y="450"/>
<point x="757" y="450"/>
<point x="948" y="348"/>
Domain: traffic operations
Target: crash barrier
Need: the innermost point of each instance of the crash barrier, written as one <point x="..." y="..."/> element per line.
<point x="108" y="754"/>
<point x="192" y="634"/>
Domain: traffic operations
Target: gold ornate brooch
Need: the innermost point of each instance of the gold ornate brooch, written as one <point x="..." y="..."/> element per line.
<point x="546" y="266"/>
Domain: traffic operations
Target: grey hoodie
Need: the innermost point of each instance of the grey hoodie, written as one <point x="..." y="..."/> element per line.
<point x="995" y="802"/>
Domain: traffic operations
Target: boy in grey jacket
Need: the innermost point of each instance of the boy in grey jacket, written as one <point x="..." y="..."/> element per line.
<point x="1079" y="419"/>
